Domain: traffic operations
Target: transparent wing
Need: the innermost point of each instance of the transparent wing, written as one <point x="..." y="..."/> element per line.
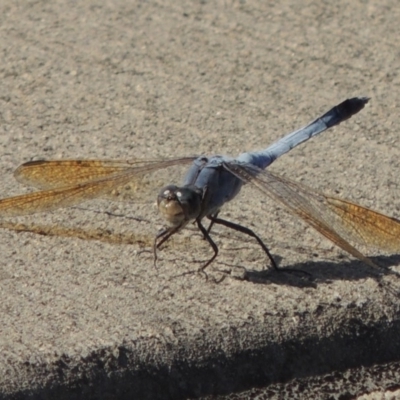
<point x="339" y="220"/>
<point x="70" y="182"/>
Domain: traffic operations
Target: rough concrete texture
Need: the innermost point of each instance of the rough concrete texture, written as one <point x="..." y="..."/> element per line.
<point x="84" y="313"/>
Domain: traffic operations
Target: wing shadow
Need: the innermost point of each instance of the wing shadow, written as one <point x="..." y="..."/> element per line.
<point x="325" y="272"/>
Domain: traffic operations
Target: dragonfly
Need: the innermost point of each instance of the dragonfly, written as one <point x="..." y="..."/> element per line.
<point x="209" y="183"/>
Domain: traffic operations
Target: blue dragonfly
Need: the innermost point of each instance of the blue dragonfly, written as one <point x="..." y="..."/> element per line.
<point x="209" y="183"/>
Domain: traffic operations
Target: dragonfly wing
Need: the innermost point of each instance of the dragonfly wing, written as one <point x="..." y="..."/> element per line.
<point x="52" y="174"/>
<point x="368" y="227"/>
<point x="142" y="176"/>
<point x="52" y="199"/>
<point x="44" y="174"/>
<point x="338" y="220"/>
<point x="75" y="185"/>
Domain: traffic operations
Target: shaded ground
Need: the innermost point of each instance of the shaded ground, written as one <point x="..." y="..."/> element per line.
<point x="365" y="383"/>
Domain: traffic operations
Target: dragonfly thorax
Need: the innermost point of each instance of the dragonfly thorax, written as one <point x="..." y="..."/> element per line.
<point x="179" y="204"/>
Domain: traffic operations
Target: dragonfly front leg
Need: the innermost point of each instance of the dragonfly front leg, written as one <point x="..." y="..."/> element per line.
<point x="164" y="234"/>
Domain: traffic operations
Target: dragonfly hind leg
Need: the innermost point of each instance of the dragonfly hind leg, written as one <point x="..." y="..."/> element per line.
<point x="249" y="232"/>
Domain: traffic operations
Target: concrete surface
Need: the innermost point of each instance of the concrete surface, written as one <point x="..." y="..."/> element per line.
<point x="84" y="314"/>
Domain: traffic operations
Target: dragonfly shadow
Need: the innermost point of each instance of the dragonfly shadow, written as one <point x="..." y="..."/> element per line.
<point x="112" y="214"/>
<point x="325" y="272"/>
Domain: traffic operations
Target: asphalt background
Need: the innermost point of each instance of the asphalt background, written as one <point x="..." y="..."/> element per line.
<point x="84" y="314"/>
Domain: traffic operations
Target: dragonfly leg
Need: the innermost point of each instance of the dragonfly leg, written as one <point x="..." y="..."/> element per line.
<point x="211" y="223"/>
<point x="249" y="232"/>
<point x="164" y="234"/>
<point x="206" y="236"/>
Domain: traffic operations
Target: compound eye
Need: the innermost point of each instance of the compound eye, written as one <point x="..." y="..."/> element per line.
<point x="178" y="205"/>
<point x="168" y="192"/>
<point x="169" y="205"/>
<point x="190" y="200"/>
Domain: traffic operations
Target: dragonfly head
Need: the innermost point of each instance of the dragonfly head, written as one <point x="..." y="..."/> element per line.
<point x="179" y="204"/>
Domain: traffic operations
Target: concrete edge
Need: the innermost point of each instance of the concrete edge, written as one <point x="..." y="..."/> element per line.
<point x="147" y="369"/>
